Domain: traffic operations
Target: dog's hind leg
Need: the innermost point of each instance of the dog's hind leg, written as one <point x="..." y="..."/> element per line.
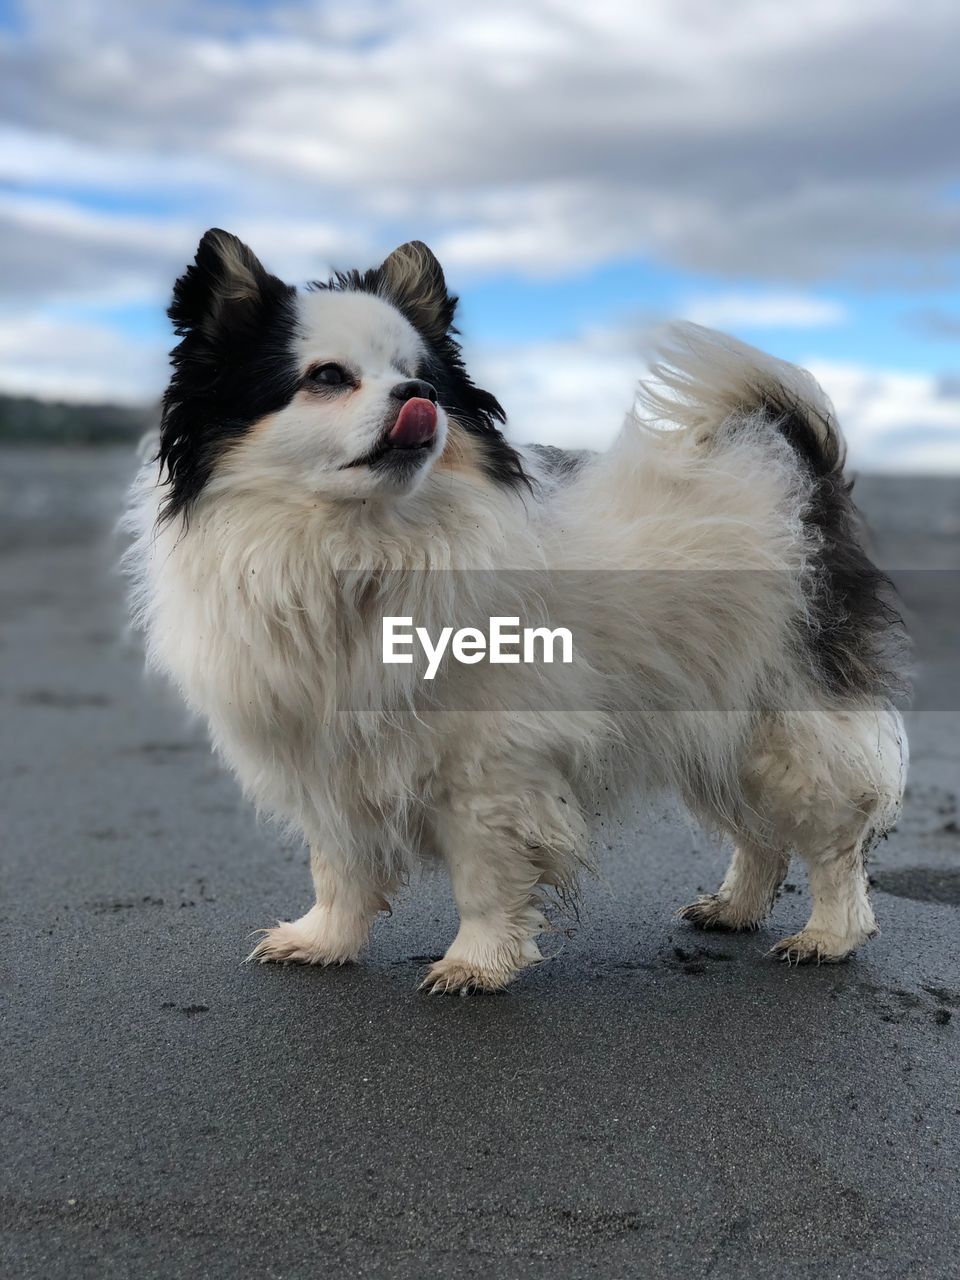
<point x="337" y="927"/>
<point x="747" y="893"/>
<point x="829" y="781"/>
<point x="842" y="918"/>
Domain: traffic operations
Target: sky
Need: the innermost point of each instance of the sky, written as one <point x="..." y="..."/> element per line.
<point x="583" y="171"/>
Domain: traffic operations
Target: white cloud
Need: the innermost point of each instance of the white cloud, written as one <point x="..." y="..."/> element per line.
<point x="541" y="138"/>
<point x="575" y="394"/>
<point x="536" y="138"/>
<point x="86" y="363"/>
<point x="51" y="250"/>
<point x="894" y="420"/>
<point x="764" y="311"/>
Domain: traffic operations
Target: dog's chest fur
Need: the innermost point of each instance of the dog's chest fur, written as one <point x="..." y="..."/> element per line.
<point x="271" y="620"/>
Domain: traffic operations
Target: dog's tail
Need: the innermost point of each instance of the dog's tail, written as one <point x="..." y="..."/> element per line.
<point x="704" y="379"/>
<point x="706" y="383"/>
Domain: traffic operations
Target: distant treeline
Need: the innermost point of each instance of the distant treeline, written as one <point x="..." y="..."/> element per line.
<point x="24" y="420"/>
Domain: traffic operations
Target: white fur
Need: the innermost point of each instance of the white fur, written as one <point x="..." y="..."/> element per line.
<point x="259" y="610"/>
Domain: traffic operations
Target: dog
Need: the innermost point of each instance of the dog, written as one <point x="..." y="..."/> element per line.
<point x="325" y="462"/>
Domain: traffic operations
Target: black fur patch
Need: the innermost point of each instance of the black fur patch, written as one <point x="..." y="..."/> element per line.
<point x="412" y="280"/>
<point x="854" y="634"/>
<point x="561" y="465"/>
<point x="233" y="365"/>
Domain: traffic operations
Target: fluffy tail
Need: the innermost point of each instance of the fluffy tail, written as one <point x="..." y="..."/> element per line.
<point x="704" y="378"/>
<point x="852" y="633"/>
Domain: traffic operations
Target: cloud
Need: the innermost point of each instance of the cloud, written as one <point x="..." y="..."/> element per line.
<point x="575" y="393"/>
<point x="51" y="249"/>
<point x="86" y="363"/>
<point x="544" y="139"/>
<point x="535" y="138"/>
<point x="894" y="420"/>
<point x="763" y="311"/>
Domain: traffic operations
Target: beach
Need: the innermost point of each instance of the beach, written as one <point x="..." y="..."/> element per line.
<point x="649" y="1101"/>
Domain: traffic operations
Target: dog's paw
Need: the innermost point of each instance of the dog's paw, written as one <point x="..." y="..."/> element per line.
<point x="285" y="943"/>
<point x="459" y="978"/>
<point x="813" y="946"/>
<point x="711" y="911"/>
<point x="316" y="938"/>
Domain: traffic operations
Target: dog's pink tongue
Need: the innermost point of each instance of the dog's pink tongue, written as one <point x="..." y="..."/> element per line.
<point x="416" y="424"/>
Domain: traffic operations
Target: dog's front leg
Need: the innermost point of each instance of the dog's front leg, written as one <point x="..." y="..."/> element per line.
<point x="337" y="927"/>
<point x="499" y="847"/>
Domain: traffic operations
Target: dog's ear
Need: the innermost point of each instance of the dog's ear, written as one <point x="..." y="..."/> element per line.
<point x="413" y="281"/>
<point x="220" y="295"/>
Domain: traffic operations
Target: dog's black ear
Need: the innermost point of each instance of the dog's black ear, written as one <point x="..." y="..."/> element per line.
<point x="413" y="280"/>
<point x="233" y="365"/>
<point x="221" y="293"/>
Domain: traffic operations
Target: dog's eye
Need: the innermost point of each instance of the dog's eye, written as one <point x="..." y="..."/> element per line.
<point x="329" y="375"/>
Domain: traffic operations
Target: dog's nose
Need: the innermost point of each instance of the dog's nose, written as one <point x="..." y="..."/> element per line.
<point x="414" y="389"/>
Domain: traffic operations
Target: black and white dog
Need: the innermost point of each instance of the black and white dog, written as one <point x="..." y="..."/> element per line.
<point x="325" y="461"/>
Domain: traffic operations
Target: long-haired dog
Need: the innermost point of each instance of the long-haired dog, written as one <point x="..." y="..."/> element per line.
<point x="325" y="462"/>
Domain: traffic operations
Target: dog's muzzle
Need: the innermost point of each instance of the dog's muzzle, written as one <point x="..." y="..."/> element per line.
<point x="410" y="438"/>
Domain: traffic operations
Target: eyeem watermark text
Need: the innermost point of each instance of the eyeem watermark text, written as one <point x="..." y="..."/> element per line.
<point x="505" y="642"/>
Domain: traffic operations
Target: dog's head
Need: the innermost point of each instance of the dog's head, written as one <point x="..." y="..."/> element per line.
<point x="351" y="388"/>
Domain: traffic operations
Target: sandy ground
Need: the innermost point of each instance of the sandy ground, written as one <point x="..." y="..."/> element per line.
<point x="651" y="1102"/>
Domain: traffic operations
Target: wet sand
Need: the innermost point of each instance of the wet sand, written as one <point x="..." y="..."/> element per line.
<point x="651" y="1102"/>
